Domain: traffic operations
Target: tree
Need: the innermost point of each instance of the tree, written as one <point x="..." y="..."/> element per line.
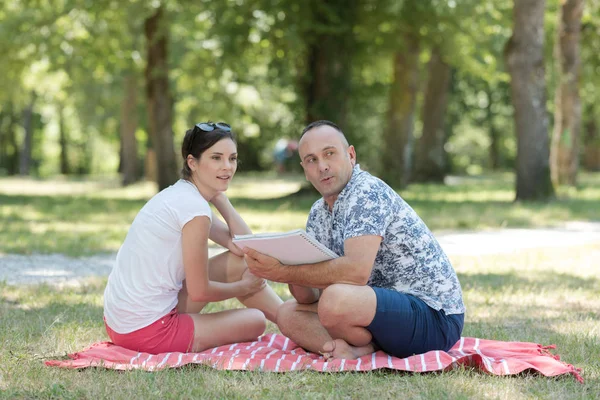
<point x="330" y="46"/>
<point x="590" y="55"/>
<point x="129" y="122"/>
<point x="159" y="97"/>
<point x="591" y="143"/>
<point x="398" y="136"/>
<point x="25" y="159"/>
<point x="419" y="25"/>
<point x="430" y="157"/>
<point x="564" y="154"/>
<point x="525" y="62"/>
<point x="9" y="148"/>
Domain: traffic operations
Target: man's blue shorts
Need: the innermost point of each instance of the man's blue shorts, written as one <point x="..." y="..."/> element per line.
<point x="404" y="325"/>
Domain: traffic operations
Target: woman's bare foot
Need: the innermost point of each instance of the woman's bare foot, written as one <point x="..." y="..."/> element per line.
<point x="339" y="348"/>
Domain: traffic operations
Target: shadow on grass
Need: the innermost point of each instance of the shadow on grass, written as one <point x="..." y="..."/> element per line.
<point x="581" y="349"/>
<point x="438" y="214"/>
<point x="66" y="208"/>
<point x="29" y="313"/>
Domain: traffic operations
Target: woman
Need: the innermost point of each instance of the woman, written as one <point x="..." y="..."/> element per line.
<point x="163" y="277"/>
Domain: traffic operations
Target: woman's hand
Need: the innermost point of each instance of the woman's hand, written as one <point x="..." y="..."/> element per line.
<point x="232" y="247"/>
<point x="251" y="283"/>
<point x="220" y="200"/>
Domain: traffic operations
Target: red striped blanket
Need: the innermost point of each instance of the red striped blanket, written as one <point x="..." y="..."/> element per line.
<point x="277" y="353"/>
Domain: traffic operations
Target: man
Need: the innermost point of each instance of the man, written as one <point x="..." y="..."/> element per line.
<point x="392" y="288"/>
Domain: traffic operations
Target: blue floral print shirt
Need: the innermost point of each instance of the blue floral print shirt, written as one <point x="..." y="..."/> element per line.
<point x="409" y="260"/>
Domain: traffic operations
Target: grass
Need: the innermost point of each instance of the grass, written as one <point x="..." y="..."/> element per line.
<point x="88" y="217"/>
<point x="544" y="296"/>
<point x="548" y="296"/>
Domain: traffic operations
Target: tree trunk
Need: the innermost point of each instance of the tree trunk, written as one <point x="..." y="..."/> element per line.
<point x="63" y="140"/>
<point x="430" y="157"/>
<point x="129" y="121"/>
<point x="159" y="98"/>
<point x="398" y="137"/>
<point x="494" y="133"/>
<point x="564" y="155"/>
<point x="591" y="159"/>
<point x="3" y="142"/>
<point x="25" y="159"/>
<point x="13" y="161"/>
<point x="524" y="55"/>
<point x="329" y="63"/>
<point x="9" y="149"/>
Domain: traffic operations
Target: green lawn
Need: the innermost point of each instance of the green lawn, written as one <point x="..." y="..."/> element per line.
<point x="87" y="217"/>
<point x="548" y="296"/>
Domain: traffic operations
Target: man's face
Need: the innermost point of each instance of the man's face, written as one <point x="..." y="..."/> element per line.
<point x="327" y="161"/>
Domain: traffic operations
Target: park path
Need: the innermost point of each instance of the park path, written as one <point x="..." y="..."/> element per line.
<point x="62" y="270"/>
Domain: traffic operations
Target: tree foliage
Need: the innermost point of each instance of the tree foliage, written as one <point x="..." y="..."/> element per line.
<point x="268" y="67"/>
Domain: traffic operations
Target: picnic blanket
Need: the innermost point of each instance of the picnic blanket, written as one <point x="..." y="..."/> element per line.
<point x="277" y="353"/>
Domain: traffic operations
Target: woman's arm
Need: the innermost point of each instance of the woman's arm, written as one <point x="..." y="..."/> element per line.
<point x="237" y="226"/>
<point x="222" y="233"/>
<point x="219" y="233"/>
<point x="195" y="263"/>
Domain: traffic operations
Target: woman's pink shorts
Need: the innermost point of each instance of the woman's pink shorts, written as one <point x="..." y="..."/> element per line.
<point x="172" y="333"/>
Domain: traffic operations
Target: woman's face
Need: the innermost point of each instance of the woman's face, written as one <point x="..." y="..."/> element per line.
<point x="217" y="165"/>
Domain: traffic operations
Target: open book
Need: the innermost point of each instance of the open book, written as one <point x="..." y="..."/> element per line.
<point x="290" y="248"/>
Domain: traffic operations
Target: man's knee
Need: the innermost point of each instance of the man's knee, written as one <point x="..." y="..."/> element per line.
<point x="333" y="304"/>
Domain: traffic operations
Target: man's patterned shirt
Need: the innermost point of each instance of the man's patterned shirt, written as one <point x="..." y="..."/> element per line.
<point x="409" y="260"/>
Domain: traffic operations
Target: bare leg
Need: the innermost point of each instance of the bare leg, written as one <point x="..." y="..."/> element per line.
<point x="231" y="326"/>
<point x="227" y="267"/>
<point x="339" y="348"/>
<point x="345" y="311"/>
<point x="335" y="325"/>
<point x="300" y="323"/>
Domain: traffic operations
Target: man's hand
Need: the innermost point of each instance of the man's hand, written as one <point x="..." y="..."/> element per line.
<point x="264" y="266"/>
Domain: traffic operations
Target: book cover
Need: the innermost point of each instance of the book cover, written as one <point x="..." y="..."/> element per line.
<point x="290" y="248"/>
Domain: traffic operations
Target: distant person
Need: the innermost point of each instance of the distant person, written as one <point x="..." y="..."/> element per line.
<point x="283" y="152"/>
<point x="163" y="277"/>
<point x="392" y="288"/>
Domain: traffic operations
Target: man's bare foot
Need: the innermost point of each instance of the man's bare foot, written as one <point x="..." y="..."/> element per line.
<point x="339" y="348"/>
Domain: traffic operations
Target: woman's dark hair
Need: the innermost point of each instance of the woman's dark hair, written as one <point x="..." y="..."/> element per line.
<point x="200" y="138"/>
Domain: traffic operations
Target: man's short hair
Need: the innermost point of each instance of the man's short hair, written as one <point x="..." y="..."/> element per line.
<point x="318" y="123"/>
<point x="324" y="122"/>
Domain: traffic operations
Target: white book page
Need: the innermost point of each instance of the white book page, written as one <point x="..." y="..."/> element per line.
<point x="290" y="248"/>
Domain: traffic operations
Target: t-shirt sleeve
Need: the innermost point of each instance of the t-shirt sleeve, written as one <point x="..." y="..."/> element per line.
<point x="190" y="207"/>
<point x="370" y="212"/>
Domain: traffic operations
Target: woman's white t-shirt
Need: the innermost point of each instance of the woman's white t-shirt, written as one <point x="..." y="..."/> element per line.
<point x="148" y="273"/>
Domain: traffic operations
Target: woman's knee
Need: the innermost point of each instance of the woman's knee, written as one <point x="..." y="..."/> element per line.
<point x="254" y="323"/>
<point x="227" y="267"/>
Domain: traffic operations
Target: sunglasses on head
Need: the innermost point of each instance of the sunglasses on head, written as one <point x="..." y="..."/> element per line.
<point x="209" y="127"/>
<point x="206" y="127"/>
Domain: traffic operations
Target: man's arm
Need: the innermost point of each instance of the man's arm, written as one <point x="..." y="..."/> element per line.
<point x="353" y="268"/>
<point x="303" y="294"/>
